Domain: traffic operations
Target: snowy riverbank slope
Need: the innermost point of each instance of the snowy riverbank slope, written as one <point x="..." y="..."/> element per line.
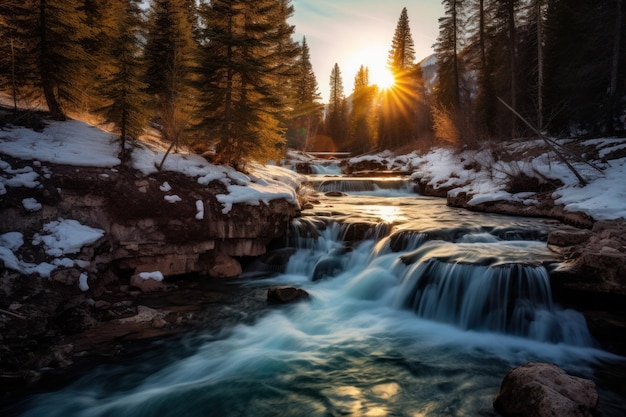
<point x="29" y="160"/>
<point x="523" y="172"/>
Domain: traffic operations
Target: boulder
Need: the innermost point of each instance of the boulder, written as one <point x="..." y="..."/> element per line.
<point x="146" y="284"/>
<point x="286" y="295"/>
<point x="545" y="390"/>
<point x="223" y="266"/>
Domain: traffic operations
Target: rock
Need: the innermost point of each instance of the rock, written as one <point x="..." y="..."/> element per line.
<point x="223" y="266"/>
<point x="568" y="237"/>
<point x="334" y="194"/>
<point x="545" y="390"/>
<point x="327" y="266"/>
<point x="286" y="295"/>
<point x="65" y="276"/>
<point x="146" y="285"/>
<point x="145" y="315"/>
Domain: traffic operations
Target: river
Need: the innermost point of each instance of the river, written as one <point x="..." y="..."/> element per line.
<point x="421" y="315"/>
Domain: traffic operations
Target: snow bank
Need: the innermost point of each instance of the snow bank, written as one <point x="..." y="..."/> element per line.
<point x="70" y="142"/>
<point x="77" y="143"/>
<point x="485" y="179"/>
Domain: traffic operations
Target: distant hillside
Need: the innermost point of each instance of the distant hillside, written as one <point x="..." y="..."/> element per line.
<point x="429" y="70"/>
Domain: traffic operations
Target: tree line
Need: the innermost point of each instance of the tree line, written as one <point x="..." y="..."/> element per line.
<point x="227" y="76"/>
<point x="559" y="63"/>
<point x="221" y="75"/>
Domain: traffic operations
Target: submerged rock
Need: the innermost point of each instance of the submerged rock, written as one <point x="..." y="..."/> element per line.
<point x="286" y="295"/>
<point x="545" y="390"/>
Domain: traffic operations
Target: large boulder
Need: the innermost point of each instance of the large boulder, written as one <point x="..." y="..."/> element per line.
<point x="545" y="390"/>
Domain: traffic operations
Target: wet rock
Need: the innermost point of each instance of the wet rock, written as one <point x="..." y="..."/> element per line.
<point x="545" y="390"/>
<point x="327" y="266"/>
<point x="334" y="194"/>
<point x="286" y="295"/>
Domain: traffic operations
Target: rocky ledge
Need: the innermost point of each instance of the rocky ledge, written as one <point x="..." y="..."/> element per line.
<point x="102" y="299"/>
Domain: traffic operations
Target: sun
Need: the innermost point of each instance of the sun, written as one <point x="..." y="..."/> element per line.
<point x="383" y="78"/>
<point x="374" y="57"/>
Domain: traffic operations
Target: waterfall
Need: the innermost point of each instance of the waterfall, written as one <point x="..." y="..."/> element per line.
<point x="380" y="186"/>
<point x="512" y="299"/>
<point x="479" y="283"/>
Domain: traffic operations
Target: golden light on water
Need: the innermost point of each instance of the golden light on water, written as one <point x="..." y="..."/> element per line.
<point x="387" y="214"/>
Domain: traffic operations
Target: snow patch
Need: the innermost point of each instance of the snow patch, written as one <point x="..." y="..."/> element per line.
<point x="82" y="282"/>
<point x="65" y="236"/>
<point x="172" y="198"/>
<point x="157" y="275"/>
<point x="165" y="187"/>
<point x="199" y="210"/>
<point x="30" y="204"/>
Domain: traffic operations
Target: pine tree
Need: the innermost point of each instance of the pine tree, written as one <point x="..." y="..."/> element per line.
<point x="399" y="103"/>
<point x="61" y="56"/>
<point x="50" y="34"/>
<point x="247" y="58"/>
<point x="506" y="77"/>
<point x="580" y="34"/>
<point x="362" y="136"/>
<point x="17" y="54"/>
<point x="480" y="24"/>
<point x="170" y="58"/>
<point x="307" y="110"/>
<point x="125" y="100"/>
<point x="448" y="89"/>
<point x="402" y="54"/>
<point x="337" y="119"/>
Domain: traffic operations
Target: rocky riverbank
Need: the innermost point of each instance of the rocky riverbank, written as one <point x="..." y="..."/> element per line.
<point x="84" y="250"/>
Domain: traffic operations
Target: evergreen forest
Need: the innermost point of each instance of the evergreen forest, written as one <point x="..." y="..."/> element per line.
<point x="227" y="77"/>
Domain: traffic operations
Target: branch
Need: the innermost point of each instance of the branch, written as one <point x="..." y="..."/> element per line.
<point x="548" y="142"/>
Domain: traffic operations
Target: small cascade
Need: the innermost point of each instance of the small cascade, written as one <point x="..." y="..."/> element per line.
<point x="376" y="186"/>
<point x="326" y="168"/>
<point x="511" y="299"/>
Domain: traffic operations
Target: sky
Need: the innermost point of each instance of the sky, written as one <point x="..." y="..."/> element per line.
<point x="352" y="33"/>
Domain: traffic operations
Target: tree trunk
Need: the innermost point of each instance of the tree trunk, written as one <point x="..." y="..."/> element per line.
<point x="610" y="125"/>
<point x="512" y="63"/>
<point x="539" y="5"/>
<point x="47" y="84"/>
<point x="457" y="85"/>
<point x="13" y="81"/>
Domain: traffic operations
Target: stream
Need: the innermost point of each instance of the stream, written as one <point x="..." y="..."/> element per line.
<point x="417" y="309"/>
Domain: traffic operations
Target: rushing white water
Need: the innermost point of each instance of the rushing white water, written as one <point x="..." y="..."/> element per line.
<point x="422" y="322"/>
<point x="326" y="168"/>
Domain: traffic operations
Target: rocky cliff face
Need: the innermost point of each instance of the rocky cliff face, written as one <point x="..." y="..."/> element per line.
<point x="145" y="232"/>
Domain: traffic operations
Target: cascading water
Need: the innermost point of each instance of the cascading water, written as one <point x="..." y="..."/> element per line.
<point x="422" y="318"/>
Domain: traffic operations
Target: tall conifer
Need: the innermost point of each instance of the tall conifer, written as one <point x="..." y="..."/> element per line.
<point x="399" y="104"/>
<point x="171" y="59"/>
<point x="247" y="57"/>
<point x="123" y="92"/>
<point x="337" y="119"/>
<point x="362" y="132"/>
<point x="307" y="110"/>
<point x="51" y="35"/>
